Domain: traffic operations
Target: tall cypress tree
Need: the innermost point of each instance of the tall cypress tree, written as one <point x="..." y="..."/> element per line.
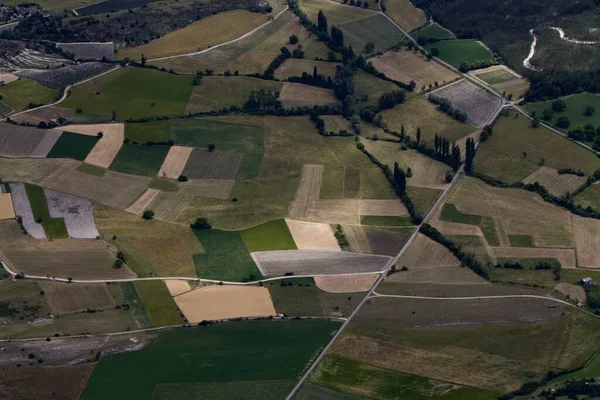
<point x="418" y="136"/>
<point x="399" y="179"/>
<point x="322" y="22"/>
<point x="470" y="155"/>
<point x="315" y="72"/>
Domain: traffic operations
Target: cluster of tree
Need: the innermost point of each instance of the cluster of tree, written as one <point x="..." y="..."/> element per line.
<point x="467" y="260"/>
<point x="341" y="237"/>
<point x="450" y="155"/>
<point x="343" y="85"/>
<point x="263" y="101"/>
<point x="119" y="261"/>
<point x="315" y="79"/>
<point x="542" y="265"/>
<point x="357" y="3"/>
<point x="573" y="389"/>
<point x="550" y="84"/>
<point x="586" y="133"/>
<point x="445" y="106"/>
<point x="486" y="133"/>
<point x="390" y="99"/>
<point x="337" y="36"/>
<point x="570" y="171"/>
<point x="369" y="68"/>
<point x="284" y="54"/>
<point x="201" y="224"/>
<point x="399" y="179"/>
<point x="465" y="67"/>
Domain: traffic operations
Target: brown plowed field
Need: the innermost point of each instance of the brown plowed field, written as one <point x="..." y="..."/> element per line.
<point x="351" y="182"/>
<point x="557" y="184"/>
<point x="346" y="284"/>
<point x="357" y="238"/>
<point x="565" y="256"/>
<point x="297" y="95"/>
<point x="203" y="164"/>
<point x="175" y="162"/>
<point x="406" y="66"/>
<point x="224" y="302"/>
<point x="6" y="206"/>
<point x="386" y="242"/>
<point x="177" y="287"/>
<point x="142" y="203"/>
<point x="587" y="241"/>
<point x="65" y="298"/>
<point x="312" y="235"/>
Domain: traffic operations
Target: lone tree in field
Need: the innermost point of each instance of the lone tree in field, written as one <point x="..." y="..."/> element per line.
<point x="322" y="21"/>
<point x="315" y="72"/>
<point x="559" y="105"/>
<point x="100" y="135"/>
<point x="118" y="264"/>
<point x="399" y="179"/>
<point x="201" y="224"/>
<point x="535" y="122"/>
<point x="589" y="111"/>
<point x="143" y="60"/>
<point x="369" y="47"/>
<point x="563" y="122"/>
<point x="293" y="39"/>
<point x="211" y="147"/>
<point x="148" y="215"/>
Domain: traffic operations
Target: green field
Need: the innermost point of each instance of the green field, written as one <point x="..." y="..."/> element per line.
<point x="375" y="220"/>
<point x="240" y="138"/>
<point x="222" y="354"/>
<point x="521" y="241"/>
<point x="424" y="198"/>
<point x="4" y="109"/>
<point x="501" y="156"/>
<point x="73" y="145"/>
<point x="20" y="94"/>
<point x="432" y="31"/>
<point x="362" y="379"/>
<point x="589" y="197"/>
<point x="91" y="170"/>
<point x="55" y="228"/>
<point x="136" y="307"/>
<point x="132" y="93"/>
<point x="163" y="184"/>
<point x="139" y="160"/>
<point x="451" y="214"/>
<point x="372" y="87"/>
<point x="226" y="257"/>
<point x="454" y="52"/>
<point x="576" y="105"/>
<point x="272" y="235"/>
<point x="160" y="306"/>
<point x="155" y="131"/>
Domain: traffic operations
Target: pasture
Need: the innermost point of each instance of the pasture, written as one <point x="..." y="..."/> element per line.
<point x="479" y="104"/>
<point x="457" y="51"/>
<point x="406" y="66"/>
<point x="515" y="150"/>
<point x="20" y="94"/>
<point x="589" y="197"/>
<point x="300" y="95"/>
<point x="132" y="93"/>
<point x="199" y="35"/>
<point x="73" y="145"/>
<point x="433" y="31"/>
<point x="137" y="309"/>
<point x="418" y="112"/>
<point x="576" y="105"/>
<point x="272" y="235"/>
<point x="216" y="92"/>
<point x="375" y="29"/>
<point x="225" y="258"/>
<point x="159" y="305"/>
<point x="296" y="66"/>
<point x="405" y="14"/>
<point x="371" y="87"/>
<point x="153" y="131"/>
<point x="246" y="139"/>
<point x="424" y="198"/>
<point x="139" y="160"/>
<point x="262" y="359"/>
<point x="224" y="302"/>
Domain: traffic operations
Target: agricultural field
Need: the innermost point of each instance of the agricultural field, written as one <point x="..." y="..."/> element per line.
<point x="132" y="93"/>
<point x="76" y="212"/>
<point x="405" y="14"/>
<point x="7" y="210"/>
<point x="142" y="133"/>
<point x="73" y="145"/>
<point x="296" y="66"/>
<point x="260" y="359"/>
<point x="175" y="162"/>
<point x="64" y="298"/>
<point x="64" y="76"/>
<point x="140" y="160"/>
<point x="345" y="284"/>
<point x="374" y="29"/>
<point x="21" y="141"/>
<point x="299" y="95"/>
<point x="312" y="235"/>
<point x="479" y="105"/>
<point x="211" y="31"/>
<point x="434" y="32"/>
<point x="86" y="7"/>
<point x="420" y="113"/>
<point x="589" y="197"/>
<point x="205" y="164"/>
<point x="557" y="184"/>
<point x="272" y="235"/>
<point x="89" y="51"/>
<point x="371" y="87"/>
<point x="503" y="79"/>
<point x="515" y="150"/>
<point x="457" y="51"/>
<point x="406" y="66"/>
<point x="55" y="228"/>
<point x="22" y="94"/>
<point x="159" y="305"/>
<point x="575" y="109"/>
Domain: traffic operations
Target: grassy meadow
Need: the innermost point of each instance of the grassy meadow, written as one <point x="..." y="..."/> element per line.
<point x="73" y="145"/>
<point x="139" y="160"/>
<point x="159" y="304"/>
<point x="454" y="52"/>
<point x="433" y="31"/>
<point x="20" y="94"/>
<point x="405" y="14"/>
<point x="272" y="235"/>
<point x="576" y="105"/>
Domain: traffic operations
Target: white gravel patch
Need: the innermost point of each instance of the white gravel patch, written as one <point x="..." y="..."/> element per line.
<point x="77" y="213"/>
<point x="316" y="262"/>
<point x="44" y="147"/>
<point x="479" y="104"/>
<point x="23" y="210"/>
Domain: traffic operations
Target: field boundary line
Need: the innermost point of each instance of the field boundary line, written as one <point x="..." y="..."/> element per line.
<point x="245" y="35"/>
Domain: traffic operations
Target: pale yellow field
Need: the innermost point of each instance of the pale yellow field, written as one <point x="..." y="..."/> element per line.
<point x="405" y="14"/>
<point x="346" y="284"/>
<point x="199" y="35"/>
<point x="406" y="66"/>
<point x="142" y="203"/>
<point x="357" y="238"/>
<point x="388" y="208"/>
<point x="177" y="287"/>
<point x="565" y="256"/>
<point x="312" y="235"/>
<point x="297" y="94"/>
<point x="224" y="302"/>
<point x="587" y="241"/>
<point x="107" y="148"/>
<point x="345" y="211"/>
<point x="7" y="210"/>
<point x="175" y="161"/>
<point x="308" y="190"/>
<point x="557" y="184"/>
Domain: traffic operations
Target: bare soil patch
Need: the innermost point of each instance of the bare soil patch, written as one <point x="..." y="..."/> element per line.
<point x="204" y="164"/>
<point x="351" y="182"/>
<point x="406" y="66"/>
<point x="224" y="302"/>
<point x="177" y="287"/>
<point x="316" y="262"/>
<point x="7" y="77"/>
<point x="19" y="141"/>
<point x="142" y="203"/>
<point x="386" y="242"/>
<point x="297" y="94"/>
<point x="565" y="256"/>
<point x="76" y="212"/>
<point x="587" y="241"/>
<point x="387" y="208"/>
<point x="573" y="292"/>
<point x="107" y="148"/>
<point x="65" y="298"/>
<point x="357" y="237"/>
<point x="312" y="235"/>
<point x="7" y="210"/>
<point x="46" y="144"/>
<point x="175" y="162"/>
<point x="346" y="284"/>
<point x="557" y="184"/>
